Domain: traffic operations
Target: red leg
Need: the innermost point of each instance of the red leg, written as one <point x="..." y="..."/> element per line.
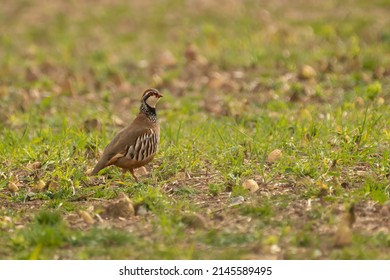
<point x="132" y="173"/>
<point x="135" y="177"/>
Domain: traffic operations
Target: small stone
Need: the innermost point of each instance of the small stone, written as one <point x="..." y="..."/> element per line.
<point x="34" y="166"/>
<point x="250" y="185"/>
<point x="317" y="253"/>
<point x="141" y="171"/>
<point x="142" y="210"/>
<point x="39" y="185"/>
<point x="307" y="72"/>
<point x="361" y="173"/>
<point x="385" y="211"/>
<point x="88" y="171"/>
<point x="53" y="186"/>
<point x="143" y="64"/>
<point x="122" y="207"/>
<point x="238" y="74"/>
<point x="308" y="205"/>
<point x="275" y="155"/>
<point x="216" y="80"/>
<point x="237" y="200"/>
<point x="166" y="59"/>
<point x="275" y="249"/>
<point x="13" y="187"/>
<point x="86" y="217"/>
<point x="191" y="52"/>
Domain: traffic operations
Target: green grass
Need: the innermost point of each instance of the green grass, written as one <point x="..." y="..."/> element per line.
<point x="220" y="119"/>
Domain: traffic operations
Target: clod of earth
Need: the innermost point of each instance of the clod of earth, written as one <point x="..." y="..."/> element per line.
<point x="122" y="207"/>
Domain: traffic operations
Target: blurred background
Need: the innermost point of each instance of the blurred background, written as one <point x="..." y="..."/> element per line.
<point x="115" y="49"/>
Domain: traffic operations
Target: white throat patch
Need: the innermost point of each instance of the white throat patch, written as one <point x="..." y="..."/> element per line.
<point x="152" y="101"/>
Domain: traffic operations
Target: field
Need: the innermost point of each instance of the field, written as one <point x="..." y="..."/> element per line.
<point x="275" y="129"/>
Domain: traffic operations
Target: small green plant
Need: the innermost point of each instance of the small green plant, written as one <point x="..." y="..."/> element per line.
<point x="47" y="230"/>
<point x="377" y="190"/>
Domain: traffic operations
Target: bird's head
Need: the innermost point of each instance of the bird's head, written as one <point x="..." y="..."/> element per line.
<point x="151" y="96"/>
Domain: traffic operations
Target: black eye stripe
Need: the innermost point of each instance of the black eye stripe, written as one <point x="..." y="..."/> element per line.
<point x="150" y="92"/>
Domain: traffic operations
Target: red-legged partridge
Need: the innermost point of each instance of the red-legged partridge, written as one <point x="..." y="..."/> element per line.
<point x="136" y="144"/>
